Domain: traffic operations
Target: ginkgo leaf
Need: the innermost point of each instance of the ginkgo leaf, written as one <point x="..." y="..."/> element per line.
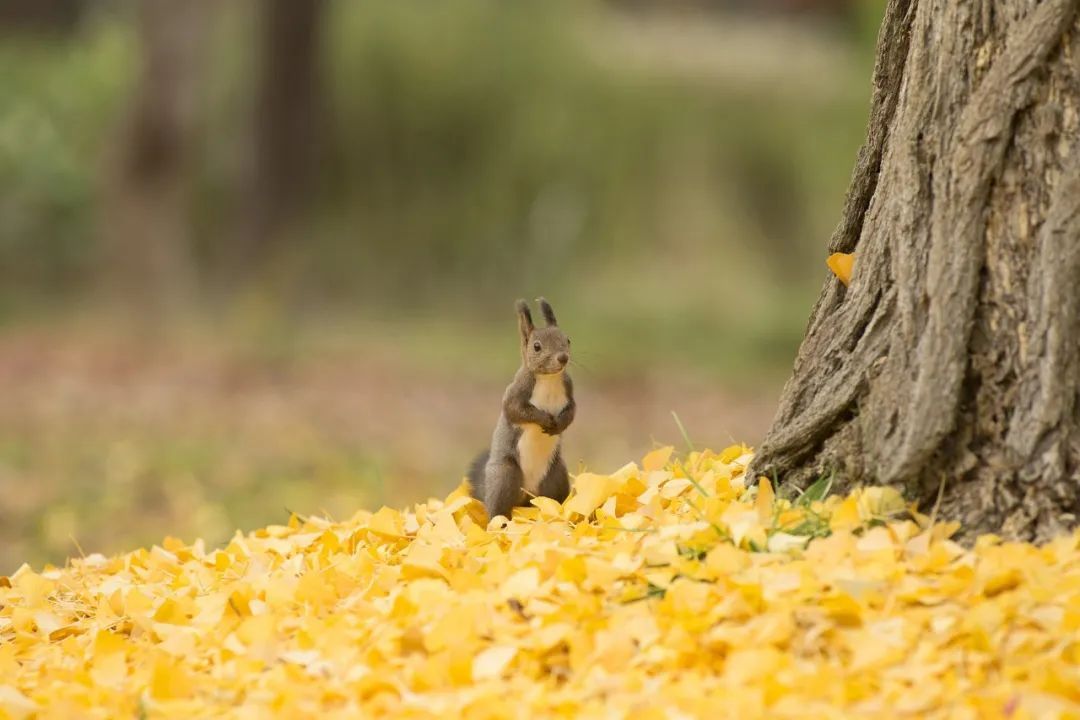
<point x="110" y="670"/>
<point x="169" y="680"/>
<point x="876" y="503"/>
<point x="842" y="265"/>
<point x="657" y="459"/>
<point x="491" y="662"/>
<point x="423" y="559"/>
<point x="744" y="523"/>
<point x="781" y="542"/>
<point x="387" y="521"/>
<point x="764" y="501"/>
<point x="590" y="491"/>
<point x="14" y="704"/>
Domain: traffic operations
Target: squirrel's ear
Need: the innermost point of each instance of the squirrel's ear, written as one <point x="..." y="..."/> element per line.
<point x="549" y="314"/>
<point x="525" y="321"/>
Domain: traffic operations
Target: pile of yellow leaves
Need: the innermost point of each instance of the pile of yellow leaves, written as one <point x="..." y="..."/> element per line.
<point x="668" y="590"/>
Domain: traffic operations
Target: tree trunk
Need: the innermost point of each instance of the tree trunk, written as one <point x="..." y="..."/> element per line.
<point x="288" y="105"/>
<point x="49" y="15"/>
<point x="951" y="365"/>
<point x="146" y="223"/>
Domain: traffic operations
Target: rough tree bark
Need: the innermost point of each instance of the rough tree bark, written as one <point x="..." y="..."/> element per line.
<point x="951" y="364"/>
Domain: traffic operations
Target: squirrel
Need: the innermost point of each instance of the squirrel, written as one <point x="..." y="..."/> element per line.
<point x="524" y="458"/>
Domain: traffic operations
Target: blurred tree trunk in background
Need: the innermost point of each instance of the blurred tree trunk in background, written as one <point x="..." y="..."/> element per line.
<point x="288" y="107"/>
<point x="52" y="15"/>
<point x="950" y="366"/>
<point x="146" y="223"/>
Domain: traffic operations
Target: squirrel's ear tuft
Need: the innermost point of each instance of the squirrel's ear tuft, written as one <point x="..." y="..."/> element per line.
<point x="525" y="321"/>
<point x="549" y="313"/>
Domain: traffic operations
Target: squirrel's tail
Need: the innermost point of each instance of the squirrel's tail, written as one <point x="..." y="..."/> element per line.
<point x="476" y="475"/>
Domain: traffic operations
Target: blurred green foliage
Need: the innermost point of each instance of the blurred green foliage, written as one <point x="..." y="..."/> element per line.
<point x="485" y="141"/>
<point x="670" y="184"/>
<point x="58" y="104"/>
<point x="470" y="149"/>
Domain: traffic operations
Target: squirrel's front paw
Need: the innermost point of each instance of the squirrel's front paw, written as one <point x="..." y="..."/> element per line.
<point x="550" y="426"/>
<point x="564" y="419"/>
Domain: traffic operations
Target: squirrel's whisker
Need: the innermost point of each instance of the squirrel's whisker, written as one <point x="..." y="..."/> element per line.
<point x="579" y="364"/>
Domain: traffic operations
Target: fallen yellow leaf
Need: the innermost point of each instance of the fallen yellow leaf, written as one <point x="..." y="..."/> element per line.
<point x="657" y="459"/>
<point x="14" y="704"/>
<point x="842" y="265"/>
<point x="590" y="491"/>
<point x="490" y="663"/>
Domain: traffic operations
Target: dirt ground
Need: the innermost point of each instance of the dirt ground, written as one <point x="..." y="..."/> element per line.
<point x="107" y="440"/>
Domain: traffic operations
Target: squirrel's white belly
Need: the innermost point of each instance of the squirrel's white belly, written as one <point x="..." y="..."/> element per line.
<point x="535" y="447"/>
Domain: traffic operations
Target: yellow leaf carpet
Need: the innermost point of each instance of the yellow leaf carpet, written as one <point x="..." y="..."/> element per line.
<point x="665" y="590"/>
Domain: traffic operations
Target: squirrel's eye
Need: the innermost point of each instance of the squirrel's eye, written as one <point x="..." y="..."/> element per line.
<point x="536" y="347"/>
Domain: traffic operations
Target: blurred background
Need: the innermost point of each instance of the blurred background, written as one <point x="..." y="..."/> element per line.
<point x="260" y="256"/>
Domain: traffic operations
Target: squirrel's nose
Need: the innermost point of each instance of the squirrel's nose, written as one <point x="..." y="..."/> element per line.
<point x="563" y="358"/>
